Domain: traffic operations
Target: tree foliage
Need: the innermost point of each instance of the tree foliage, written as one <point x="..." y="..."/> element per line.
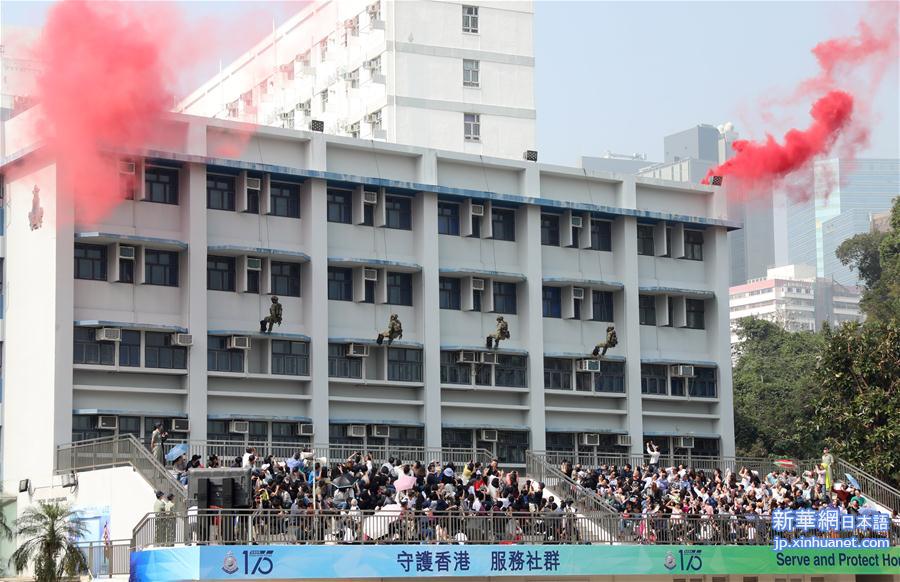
<point x="772" y="383"/>
<point x="857" y="400"/>
<point x="49" y="531"/>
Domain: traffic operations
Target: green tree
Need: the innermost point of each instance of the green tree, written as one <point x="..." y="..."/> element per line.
<point x="857" y="408"/>
<point x="772" y="384"/>
<point x="50" y="531"/>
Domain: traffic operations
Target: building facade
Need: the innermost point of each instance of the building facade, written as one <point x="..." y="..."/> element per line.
<point x="446" y="75"/>
<point x="346" y="233"/>
<point x="794" y="298"/>
<point x="847" y="194"/>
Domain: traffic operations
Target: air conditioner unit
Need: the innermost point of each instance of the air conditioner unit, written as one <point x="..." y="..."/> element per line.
<point x="623" y="440"/>
<point x="478" y="210"/>
<point x="372" y="64"/>
<point x="370" y="274"/>
<point x="590" y="439"/>
<point x="577" y="222"/>
<point x="182" y="339"/>
<point x="287" y="115"/>
<point x="370" y="197"/>
<point x="305" y="107"/>
<point x="254" y="264"/>
<point x="577" y="293"/>
<point x="107" y="422"/>
<point x="254" y="184"/>
<point x="356" y="430"/>
<point x="108" y="334"/>
<point x="181" y="425"/>
<point x="489" y="358"/>
<point x="587" y="366"/>
<point x="488" y="435"/>
<point x="305" y="429"/>
<point x="681" y="371"/>
<point x="357" y="350"/>
<point x="381" y="430"/>
<point x="477" y="284"/>
<point x="684" y="442"/>
<point x="126" y="252"/>
<point x="372" y="118"/>
<point x="126" y="167"/>
<point x="239" y="342"/>
<point x="239" y="427"/>
<point x="467" y="358"/>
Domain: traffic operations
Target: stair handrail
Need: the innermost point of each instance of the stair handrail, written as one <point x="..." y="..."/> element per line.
<point x="872" y="487"/>
<point x="554" y="479"/>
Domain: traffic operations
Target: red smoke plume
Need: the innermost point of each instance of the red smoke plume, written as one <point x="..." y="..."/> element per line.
<point x="851" y="68"/>
<point x="104" y="85"/>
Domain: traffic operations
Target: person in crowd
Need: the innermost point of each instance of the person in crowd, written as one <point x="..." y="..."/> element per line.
<point x="157" y="439"/>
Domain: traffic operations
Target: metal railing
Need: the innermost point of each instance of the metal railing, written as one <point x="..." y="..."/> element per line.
<point x="762" y="465"/>
<point x="555" y="480"/>
<point x="107" y="561"/>
<point x="119" y="451"/>
<point x="421" y="527"/>
<point x="872" y="487"/>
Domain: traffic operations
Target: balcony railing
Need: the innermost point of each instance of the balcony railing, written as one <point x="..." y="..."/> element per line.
<point x="385" y="526"/>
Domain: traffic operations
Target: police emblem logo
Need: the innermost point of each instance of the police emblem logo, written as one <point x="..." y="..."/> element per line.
<point x="670" y="561"/>
<point x="229" y="564"/>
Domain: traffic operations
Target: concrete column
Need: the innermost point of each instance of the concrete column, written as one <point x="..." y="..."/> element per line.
<point x="429" y="324"/>
<point x="716" y="257"/>
<point x="192" y="275"/>
<point x="528" y="241"/>
<point x="624" y="243"/>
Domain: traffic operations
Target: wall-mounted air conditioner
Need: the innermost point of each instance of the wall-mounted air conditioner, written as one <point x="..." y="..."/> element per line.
<point x="126" y="252"/>
<point x="465" y="357"/>
<point x="357" y="350"/>
<point x="254" y="264"/>
<point x="182" y="339"/>
<point x="587" y="366"/>
<point x="477" y="284"/>
<point x="239" y="427"/>
<point x="381" y="430"/>
<point x="305" y="429"/>
<point x="623" y="440"/>
<point x="107" y="422"/>
<point x="181" y="425"/>
<point x="684" y="442"/>
<point x="478" y="210"/>
<point x="369" y="197"/>
<point x="370" y="274"/>
<point x="126" y="167"/>
<point x="254" y="184"/>
<point x="108" y="334"/>
<point x="577" y="222"/>
<point x="487" y="435"/>
<point x="489" y="358"/>
<point x="590" y="439"/>
<point x="577" y="293"/>
<point x="239" y="342"/>
<point x="356" y="431"/>
<point x="682" y="371"/>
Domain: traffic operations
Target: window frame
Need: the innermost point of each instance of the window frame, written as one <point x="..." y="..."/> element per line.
<point x="471" y="73"/>
<point x="218" y="195"/>
<point x="92" y="352"/>
<point x="342" y="286"/>
<point x="156" y="353"/>
<point x="341" y="202"/>
<point x="448" y="218"/>
<point x="598" y="237"/>
<point x="226" y="278"/>
<point x="551" y="302"/>
<point x="168" y="273"/>
<point x="505" y="302"/>
<point x="645" y="244"/>
<point x="397" y="212"/>
<point x="98" y="265"/>
<point x="404" y="365"/>
<point x="169" y="189"/>
<point x="342" y="365"/>
<point x="549" y="229"/>
<point x="472" y="127"/>
<point x="693" y="249"/>
<point x="290" y="362"/>
<point x="646" y="310"/>
<point x="284" y="205"/>
<point x="291" y="279"/>
<point x="503" y="221"/>
<point x="470" y="18"/>
<point x="219" y="358"/>
<point x="399" y="288"/>
<point x="652" y="381"/>
<point x="694" y="316"/>
<point x="450" y="293"/>
<point x="600" y="302"/>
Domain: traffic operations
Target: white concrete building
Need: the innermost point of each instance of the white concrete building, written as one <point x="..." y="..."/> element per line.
<point x="446" y="75"/>
<point x="794" y="298"/>
<point x="347" y="232"/>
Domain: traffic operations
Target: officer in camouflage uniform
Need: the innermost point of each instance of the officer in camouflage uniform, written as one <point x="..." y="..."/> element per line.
<point x="394" y="331"/>
<point x="611" y="341"/>
<point x="502" y="333"/>
<point x="265" y="324"/>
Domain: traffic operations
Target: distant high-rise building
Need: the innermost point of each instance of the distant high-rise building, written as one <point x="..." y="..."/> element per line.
<point x="847" y="194"/>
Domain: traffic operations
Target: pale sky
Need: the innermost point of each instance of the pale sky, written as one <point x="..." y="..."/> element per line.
<point x="620" y="75"/>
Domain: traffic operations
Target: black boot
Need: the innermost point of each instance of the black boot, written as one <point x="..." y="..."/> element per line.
<point x="596" y="352"/>
<point x="488" y="343"/>
<point x="380" y="339"/>
<point x="262" y="326"/>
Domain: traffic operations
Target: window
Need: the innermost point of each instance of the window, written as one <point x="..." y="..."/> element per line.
<point x="342" y="366"/>
<point x="476" y="300"/>
<point x="472" y="126"/>
<point x="448" y="218"/>
<point x="647" y="309"/>
<point x="603" y="306"/>
<point x="504" y="297"/>
<point x="561" y="441"/>
<point x="340" y="284"/>
<point x="126" y="271"/>
<point x="90" y="262"/>
<point x="160" y="353"/>
<point x="611" y="377"/>
<point x="221" y="359"/>
<point x="285" y="279"/>
<point x="368" y="215"/>
<point x="220" y="192"/>
<point x="339" y="206"/>
<point x="161" y="268"/>
<point x="161" y="185"/>
<point x="645" y="240"/>
<point x="253" y="199"/>
<point x="694" y="313"/>
<point x="471" y="73"/>
<point x="130" y="349"/>
<point x="290" y="358"/>
<point x="404" y="365"/>
<point x="476" y="227"/>
<point x="370" y="292"/>
<point x="130" y="425"/>
<point x="285" y="432"/>
<point x="84" y="427"/>
<point x="453" y="372"/>
<point x="398" y="212"/>
<point x="511" y="446"/>
<point x="220" y="273"/>
<point x="252" y="281"/>
<point x="399" y="288"/>
<point x="407" y="436"/>
<point x="693" y="245"/>
<point x="601" y="235"/>
<point x="470" y="19"/>
<point x="284" y="200"/>
<point x="510" y="371"/>
<point x="653" y="379"/>
<point x="703" y="384"/>
<point x="449" y="293"/>
<point x="87" y="350"/>
<point x="550" y="230"/>
<point x="552" y="302"/>
<point x="503" y="221"/>
<point x="557" y="374"/>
